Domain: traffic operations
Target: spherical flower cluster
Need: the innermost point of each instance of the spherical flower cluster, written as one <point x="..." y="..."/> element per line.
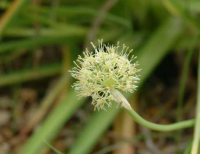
<point x="108" y="67"/>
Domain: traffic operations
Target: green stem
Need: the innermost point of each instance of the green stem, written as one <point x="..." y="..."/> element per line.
<point x="159" y="127"/>
<point x="196" y="140"/>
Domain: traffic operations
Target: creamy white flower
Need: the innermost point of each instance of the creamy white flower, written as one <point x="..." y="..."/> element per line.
<point x="106" y="68"/>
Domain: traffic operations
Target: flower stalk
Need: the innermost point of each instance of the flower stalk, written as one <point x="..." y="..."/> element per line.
<point x="140" y="120"/>
<point x="119" y="98"/>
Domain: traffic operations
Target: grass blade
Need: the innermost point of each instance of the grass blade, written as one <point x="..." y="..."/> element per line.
<point x="10" y="14"/>
<point x="196" y="140"/>
<point x="48" y="129"/>
<point x="31" y="74"/>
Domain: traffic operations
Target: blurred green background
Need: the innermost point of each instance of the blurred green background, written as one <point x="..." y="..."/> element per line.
<point x="39" y="40"/>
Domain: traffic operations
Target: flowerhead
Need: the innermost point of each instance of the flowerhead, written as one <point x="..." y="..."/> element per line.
<point x="107" y="67"/>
